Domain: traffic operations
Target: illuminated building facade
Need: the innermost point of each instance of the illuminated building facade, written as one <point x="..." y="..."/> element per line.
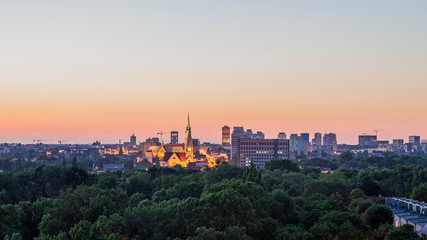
<point x="174" y="137"/>
<point x="226" y="136"/>
<point x="169" y="155"/>
<point x="189" y="150"/>
<point x="260" y="151"/>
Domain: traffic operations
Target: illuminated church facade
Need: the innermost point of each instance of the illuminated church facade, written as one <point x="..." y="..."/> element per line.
<point x="170" y="155"/>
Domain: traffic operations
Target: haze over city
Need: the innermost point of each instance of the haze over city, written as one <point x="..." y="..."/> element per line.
<point x="100" y="70"/>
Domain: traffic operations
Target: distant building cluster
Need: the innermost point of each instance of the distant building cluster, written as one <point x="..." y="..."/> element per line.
<point x="238" y="146"/>
<point x="247" y="146"/>
<point x="372" y="144"/>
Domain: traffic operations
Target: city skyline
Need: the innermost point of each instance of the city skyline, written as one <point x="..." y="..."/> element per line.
<point x="83" y="72"/>
<point x="215" y="137"/>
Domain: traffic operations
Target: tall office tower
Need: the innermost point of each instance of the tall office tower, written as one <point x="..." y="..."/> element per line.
<point x="330" y="141"/>
<point x="318" y="139"/>
<point x="238" y="132"/>
<point x="174" y="137"/>
<point x="226" y="136"/>
<point x="260" y="151"/>
<point x="281" y="135"/>
<point x="305" y="137"/>
<point x="368" y="140"/>
<point x="293" y="141"/>
<point x="133" y="140"/>
<point x="415" y="140"/>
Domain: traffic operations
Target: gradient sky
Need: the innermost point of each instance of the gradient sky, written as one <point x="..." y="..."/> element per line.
<point x="87" y="70"/>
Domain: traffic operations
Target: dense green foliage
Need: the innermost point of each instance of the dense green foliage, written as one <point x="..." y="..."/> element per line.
<point x="281" y="202"/>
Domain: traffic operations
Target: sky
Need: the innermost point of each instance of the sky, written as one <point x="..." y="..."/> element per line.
<point x="87" y="70"/>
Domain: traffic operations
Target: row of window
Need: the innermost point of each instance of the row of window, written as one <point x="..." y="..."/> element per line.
<point x="263" y="143"/>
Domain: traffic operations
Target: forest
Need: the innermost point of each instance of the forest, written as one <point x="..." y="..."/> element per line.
<point x="227" y="202"/>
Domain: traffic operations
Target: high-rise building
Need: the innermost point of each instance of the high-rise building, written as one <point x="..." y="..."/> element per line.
<point x="330" y="141"/>
<point x="174" y="137"/>
<point x="293" y="141"/>
<point x="368" y="140"/>
<point x="415" y="140"/>
<point x="317" y="139"/>
<point x="133" y="140"/>
<point x="226" y="136"/>
<point x="281" y="135"/>
<point x="238" y="133"/>
<point x="305" y="137"/>
<point x="260" y="151"/>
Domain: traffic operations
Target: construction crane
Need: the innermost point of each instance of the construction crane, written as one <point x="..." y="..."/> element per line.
<point x="376" y="131"/>
<point x="60" y="141"/>
<point x="161" y="134"/>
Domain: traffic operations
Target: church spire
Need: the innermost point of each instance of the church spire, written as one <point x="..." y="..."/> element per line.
<point x="188" y="145"/>
<point x="188" y="122"/>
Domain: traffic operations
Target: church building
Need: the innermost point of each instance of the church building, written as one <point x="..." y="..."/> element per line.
<point x="169" y="155"/>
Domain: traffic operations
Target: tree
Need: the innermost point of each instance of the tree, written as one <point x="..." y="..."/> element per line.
<point x="107" y="180"/>
<point x="81" y="231"/>
<point x="377" y="215"/>
<point x="281" y="164"/>
<point x="404" y="232"/>
<point x="224" y="171"/>
<point x="419" y="193"/>
<point x="139" y="182"/>
<point x="346" y="156"/>
<point x="357" y="193"/>
<point x="283" y="206"/>
<point x="338" y="225"/>
<point x="10" y="220"/>
<point x="74" y="163"/>
<point x="370" y="187"/>
<point x="315" y="186"/>
<point x="227" y="208"/>
<point x="251" y="174"/>
<point x="60" y="236"/>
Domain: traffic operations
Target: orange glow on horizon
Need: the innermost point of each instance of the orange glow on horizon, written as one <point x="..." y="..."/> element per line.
<point x="73" y="72"/>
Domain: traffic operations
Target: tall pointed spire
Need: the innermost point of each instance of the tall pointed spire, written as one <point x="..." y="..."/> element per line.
<point x="188" y="122"/>
<point x="188" y="145"/>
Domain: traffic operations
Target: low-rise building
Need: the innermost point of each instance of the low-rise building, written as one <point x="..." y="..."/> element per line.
<point x="408" y="211"/>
